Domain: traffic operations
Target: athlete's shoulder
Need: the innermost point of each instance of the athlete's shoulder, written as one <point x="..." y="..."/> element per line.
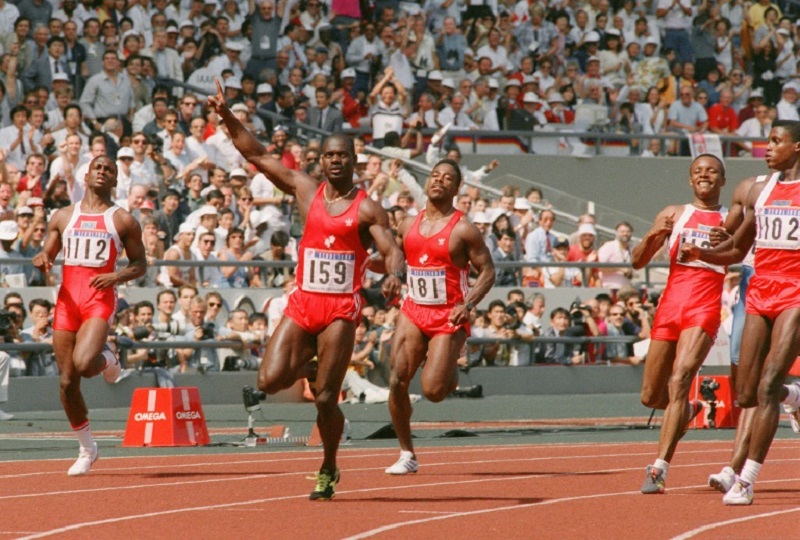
<point x="61" y="217"/>
<point x="125" y="223"/>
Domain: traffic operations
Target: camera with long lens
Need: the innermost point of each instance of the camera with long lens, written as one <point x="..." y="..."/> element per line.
<point x="171" y="328"/>
<point x="708" y="391"/>
<point x="237" y="363"/>
<point x="577" y="313"/>
<point x="6" y="325"/>
<point x="209" y="330"/>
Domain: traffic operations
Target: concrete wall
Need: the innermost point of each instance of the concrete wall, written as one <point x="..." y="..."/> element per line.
<point x="640" y="186"/>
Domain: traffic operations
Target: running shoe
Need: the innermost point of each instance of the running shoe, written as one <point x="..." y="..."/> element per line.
<point x="654" y="481"/>
<point x="326" y="482"/>
<point x="405" y="465"/>
<point x="722" y="481"/>
<point x="741" y="494"/>
<point x="794" y="417"/>
<point x="5" y="416"/>
<point x="113" y="367"/>
<point x="86" y="457"/>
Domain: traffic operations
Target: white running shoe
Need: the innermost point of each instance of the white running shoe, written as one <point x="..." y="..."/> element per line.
<point x="405" y="465"/>
<point x="794" y="417"/>
<point x="722" y="481"/>
<point x="5" y="416"/>
<point x="741" y="494"/>
<point x="113" y="368"/>
<point x="86" y="457"/>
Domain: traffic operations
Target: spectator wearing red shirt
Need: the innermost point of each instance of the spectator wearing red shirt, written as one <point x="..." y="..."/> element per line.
<point x="722" y="119"/>
<point x="32" y="181"/>
<point x="585" y="251"/>
<point x="353" y="110"/>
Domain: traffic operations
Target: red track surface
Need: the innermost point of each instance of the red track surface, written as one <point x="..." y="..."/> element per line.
<point x="498" y="492"/>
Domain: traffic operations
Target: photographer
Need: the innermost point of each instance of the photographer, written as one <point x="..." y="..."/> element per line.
<point x="41" y="331"/>
<point x="8" y="333"/>
<point x="198" y="329"/>
<point x="142" y="331"/>
<point x="238" y="328"/>
<point x="503" y="324"/>
<point x="564" y="323"/>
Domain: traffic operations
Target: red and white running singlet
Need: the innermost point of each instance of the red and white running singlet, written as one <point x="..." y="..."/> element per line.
<point x="90" y="246"/>
<point x="432" y="278"/>
<point x="331" y="258"/>
<point x="697" y="280"/>
<point x="777" y="213"/>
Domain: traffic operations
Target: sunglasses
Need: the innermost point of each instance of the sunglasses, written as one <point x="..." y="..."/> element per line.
<point x="190" y="103"/>
<point x="214" y="304"/>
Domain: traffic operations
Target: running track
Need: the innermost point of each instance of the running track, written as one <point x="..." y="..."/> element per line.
<point x="498" y="492"/>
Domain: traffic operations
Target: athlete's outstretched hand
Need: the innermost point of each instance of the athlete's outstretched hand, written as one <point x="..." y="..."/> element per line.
<point x="391" y="286"/>
<point x="459" y="315"/>
<point x="217" y="102"/>
<point x="688" y="253"/>
<point x="42" y="262"/>
<point x="103" y="281"/>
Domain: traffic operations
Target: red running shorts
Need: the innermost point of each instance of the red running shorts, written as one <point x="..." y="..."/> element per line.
<point x="314" y="312"/>
<point x="673" y="317"/>
<point x="432" y="320"/>
<point x="79" y="302"/>
<point x="770" y="296"/>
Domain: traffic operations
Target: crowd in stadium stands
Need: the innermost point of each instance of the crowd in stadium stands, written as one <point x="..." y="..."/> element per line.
<point x="128" y="78"/>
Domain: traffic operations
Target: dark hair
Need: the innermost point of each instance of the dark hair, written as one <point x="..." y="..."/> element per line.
<point x="165" y="291"/>
<point x="719" y="160"/>
<point x="214" y="194"/>
<point x="56" y="39"/>
<point x="351" y="147"/>
<point x="494" y="303"/>
<point x="39" y="302"/>
<point x="507" y="232"/>
<point x="144" y="304"/>
<point x="391" y="138"/>
<point x="792" y="126"/>
<point x="20" y="21"/>
<point x="279" y="239"/>
<point x="19" y="108"/>
<point x="559" y="310"/>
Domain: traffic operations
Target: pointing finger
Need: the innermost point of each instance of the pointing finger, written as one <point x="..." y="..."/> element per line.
<point x="219" y="86"/>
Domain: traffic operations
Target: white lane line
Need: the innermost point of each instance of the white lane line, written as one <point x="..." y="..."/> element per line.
<point x="423" y="512"/>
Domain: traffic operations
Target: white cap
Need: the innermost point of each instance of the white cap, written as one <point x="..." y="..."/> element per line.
<point x="348" y="73"/>
<point x="9" y="230"/>
<point x="35" y="201"/>
<point x="593" y="59"/>
<point x="207" y="210"/>
<point x="172" y="29"/>
<point x="529" y="79"/>
<point x="512" y="82"/>
<point x="264" y="88"/>
<point x="435" y="75"/>
<point x="362" y="158"/>
<point x="448" y="82"/>
<point x="235" y="46"/>
<point x="530" y="97"/>
<point x="587" y="228"/>
<point x="186" y="22"/>
<point x="520" y="203"/>
<point x="240" y="107"/>
<point x="184" y="228"/>
<point x="555" y="97"/>
<point x="756" y="93"/>
<point x="61" y="76"/>
<point x="480" y="217"/>
<point x="238" y="172"/>
<point x="592" y="37"/>
<point x="652" y="40"/>
<point x="792" y="85"/>
<point x="612" y="32"/>
<point x="125" y="151"/>
<point x="24" y="210"/>
<point x="493" y="83"/>
<point x="233" y="82"/>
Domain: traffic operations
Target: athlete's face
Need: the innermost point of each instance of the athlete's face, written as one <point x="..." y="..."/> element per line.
<point x="443" y="183"/>
<point x="707" y="178"/>
<point x="337" y="160"/>
<point x="782" y="151"/>
<point x="102" y="174"/>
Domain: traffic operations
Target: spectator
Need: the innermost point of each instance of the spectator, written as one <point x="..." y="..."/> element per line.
<point x="617" y="251"/>
<point x="560" y="353"/>
<point x="758" y="126"/>
<point x="175" y="276"/>
<point x="108" y="94"/>
<point x="539" y="245"/>
<point x="686" y="116"/>
<point x="504" y="252"/>
<point x="387" y="112"/>
<point x="585" y="251"/>
<point x="201" y="358"/>
<point x="618" y="325"/>
<point x="787" y="106"/>
<point x="41" y="331"/>
<point x="561" y="276"/>
<point x="500" y="326"/>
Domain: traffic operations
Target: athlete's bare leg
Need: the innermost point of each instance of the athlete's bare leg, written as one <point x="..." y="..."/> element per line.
<point x="440" y="374"/>
<point x="78" y="355"/>
<point x="409" y="347"/>
<point x="657" y="372"/>
<point x="783" y="351"/>
<point x="692" y="349"/>
<point x="755" y="347"/>
<point x="335" y="348"/>
<point x="288" y="353"/>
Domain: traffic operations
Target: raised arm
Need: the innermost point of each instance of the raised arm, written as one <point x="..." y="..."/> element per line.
<point x="285" y="179"/>
<point x="654" y="239"/>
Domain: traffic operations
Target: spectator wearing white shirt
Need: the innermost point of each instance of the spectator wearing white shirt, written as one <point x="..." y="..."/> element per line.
<point x="454" y="115"/>
<point x="787" y="106"/>
<point x="388" y="112"/>
<point x="617" y="251"/>
<point x="496" y="52"/>
<point x="758" y="126"/>
<point x="17" y="139"/>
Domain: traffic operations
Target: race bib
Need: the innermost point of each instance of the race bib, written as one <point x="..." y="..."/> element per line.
<point x="87" y="248"/>
<point x="778" y="227"/>
<point x="427" y="286"/>
<point x="699" y="237"/>
<point x="329" y="272"/>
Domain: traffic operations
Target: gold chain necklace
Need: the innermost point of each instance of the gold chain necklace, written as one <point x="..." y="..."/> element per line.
<point x="426" y="218"/>
<point x="331" y="201"/>
<point x="705" y="207"/>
